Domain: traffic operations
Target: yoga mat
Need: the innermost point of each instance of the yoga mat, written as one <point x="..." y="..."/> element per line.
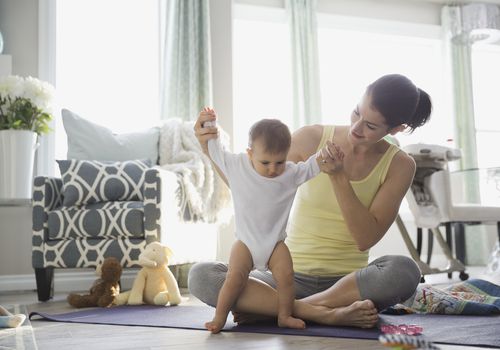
<point x="454" y="329"/>
<point x="447" y="329"/>
<point x="193" y="317"/>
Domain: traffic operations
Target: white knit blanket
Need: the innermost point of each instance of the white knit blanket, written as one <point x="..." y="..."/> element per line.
<point x="204" y="191"/>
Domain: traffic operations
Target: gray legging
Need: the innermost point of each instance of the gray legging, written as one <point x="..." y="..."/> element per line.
<point x="386" y="281"/>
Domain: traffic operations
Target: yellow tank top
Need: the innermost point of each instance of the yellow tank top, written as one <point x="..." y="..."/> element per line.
<point x="318" y="238"/>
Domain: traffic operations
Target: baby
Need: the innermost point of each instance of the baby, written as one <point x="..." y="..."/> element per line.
<point x="263" y="185"/>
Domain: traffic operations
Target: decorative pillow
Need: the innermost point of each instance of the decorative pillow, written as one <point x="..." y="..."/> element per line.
<point x="87" y="182"/>
<point x="89" y="141"/>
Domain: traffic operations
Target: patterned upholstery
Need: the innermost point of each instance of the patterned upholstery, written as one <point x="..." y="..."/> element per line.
<point x="87" y="182"/>
<point x="102" y="220"/>
<point x="82" y="236"/>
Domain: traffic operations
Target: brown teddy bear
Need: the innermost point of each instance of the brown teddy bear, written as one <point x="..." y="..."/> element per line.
<point x="104" y="290"/>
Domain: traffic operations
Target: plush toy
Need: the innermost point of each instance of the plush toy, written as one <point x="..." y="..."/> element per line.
<point x="154" y="284"/>
<point x="104" y="290"/>
<point x="8" y="320"/>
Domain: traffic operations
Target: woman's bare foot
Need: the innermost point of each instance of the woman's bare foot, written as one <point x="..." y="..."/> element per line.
<point x="291" y="322"/>
<point x="361" y="314"/>
<point x="215" y="325"/>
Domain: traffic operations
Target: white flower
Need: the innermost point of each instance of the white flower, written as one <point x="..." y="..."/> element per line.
<point x="11" y="85"/>
<point x="40" y="93"/>
<point x="25" y="104"/>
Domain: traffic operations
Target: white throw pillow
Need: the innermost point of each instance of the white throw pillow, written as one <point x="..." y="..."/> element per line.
<point x="89" y="141"/>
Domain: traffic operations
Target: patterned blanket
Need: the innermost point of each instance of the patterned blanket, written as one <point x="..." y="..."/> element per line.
<point x="472" y="297"/>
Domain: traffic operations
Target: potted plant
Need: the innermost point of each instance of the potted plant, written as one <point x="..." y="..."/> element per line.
<point x="24" y="115"/>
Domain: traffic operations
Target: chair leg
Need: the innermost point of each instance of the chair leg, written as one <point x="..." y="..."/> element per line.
<point x="44" y="283"/>
<point x="498" y="231"/>
<point x="449" y="240"/>
<point x="430" y="244"/>
<point x="460" y="251"/>
<point x="419" y="240"/>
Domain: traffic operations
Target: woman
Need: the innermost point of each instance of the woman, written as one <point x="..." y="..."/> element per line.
<point x="339" y="215"/>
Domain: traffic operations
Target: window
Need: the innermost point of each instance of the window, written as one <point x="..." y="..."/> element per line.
<point x="485" y="78"/>
<point x="107" y="61"/>
<point x="354" y="52"/>
<point x="262" y="85"/>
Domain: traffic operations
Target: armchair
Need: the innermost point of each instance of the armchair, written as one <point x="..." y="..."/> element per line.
<point x="83" y="236"/>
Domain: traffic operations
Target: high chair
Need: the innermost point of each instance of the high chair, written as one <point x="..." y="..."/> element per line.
<point x="433" y="202"/>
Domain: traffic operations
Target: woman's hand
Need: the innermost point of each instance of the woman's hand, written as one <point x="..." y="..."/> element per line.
<point x="203" y="134"/>
<point x="331" y="158"/>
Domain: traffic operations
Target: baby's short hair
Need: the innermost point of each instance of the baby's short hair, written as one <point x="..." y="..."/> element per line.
<point x="275" y="135"/>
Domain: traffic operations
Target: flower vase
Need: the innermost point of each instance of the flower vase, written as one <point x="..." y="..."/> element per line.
<point x="17" y="154"/>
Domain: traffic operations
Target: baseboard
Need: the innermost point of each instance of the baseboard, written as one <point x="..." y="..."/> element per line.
<point x="63" y="281"/>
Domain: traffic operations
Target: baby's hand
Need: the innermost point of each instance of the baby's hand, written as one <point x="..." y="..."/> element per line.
<point x="203" y="130"/>
<point x="331" y="158"/>
<point x="207" y="117"/>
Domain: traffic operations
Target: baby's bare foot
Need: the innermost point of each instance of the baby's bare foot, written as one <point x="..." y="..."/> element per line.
<point x="361" y="314"/>
<point x="216" y="325"/>
<point x="291" y="322"/>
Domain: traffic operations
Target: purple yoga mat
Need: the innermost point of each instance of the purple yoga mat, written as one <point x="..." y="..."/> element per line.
<point x="447" y="329"/>
<point x="193" y="317"/>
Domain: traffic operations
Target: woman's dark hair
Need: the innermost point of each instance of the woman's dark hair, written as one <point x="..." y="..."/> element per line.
<point x="275" y="135"/>
<point x="400" y="101"/>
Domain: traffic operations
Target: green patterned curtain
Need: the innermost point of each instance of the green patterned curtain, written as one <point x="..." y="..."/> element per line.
<point x="458" y="48"/>
<point x="305" y="62"/>
<point x="458" y="45"/>
<point x="185" y="82"/>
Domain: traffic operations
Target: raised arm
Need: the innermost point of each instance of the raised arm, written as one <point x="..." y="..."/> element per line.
<point x="207" y="133"/>
<point x="308" y="169"/>
<point x="203" y="134"/>
<point x="369" y="225"/>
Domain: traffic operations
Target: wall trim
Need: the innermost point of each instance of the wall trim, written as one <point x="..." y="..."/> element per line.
<point x="63" y="281"/>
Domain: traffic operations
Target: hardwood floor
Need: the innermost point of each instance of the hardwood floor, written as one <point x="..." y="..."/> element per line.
<point x="44" y="335"/>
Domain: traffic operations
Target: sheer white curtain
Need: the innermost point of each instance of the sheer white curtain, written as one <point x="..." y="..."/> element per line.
<point x="185" y="71"/>
<point x="305" y="62"/>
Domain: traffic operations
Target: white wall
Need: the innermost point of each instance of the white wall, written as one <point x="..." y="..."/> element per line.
<point x="19" y="27"/>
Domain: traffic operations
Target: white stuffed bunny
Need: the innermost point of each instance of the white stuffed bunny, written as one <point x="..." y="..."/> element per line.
<point x="154" y="284"/>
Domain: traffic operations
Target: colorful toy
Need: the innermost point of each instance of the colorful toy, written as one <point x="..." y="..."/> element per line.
<point x="404" y="341"/>
<point x="8" y="320"/>
<point x="408" y="329"/>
